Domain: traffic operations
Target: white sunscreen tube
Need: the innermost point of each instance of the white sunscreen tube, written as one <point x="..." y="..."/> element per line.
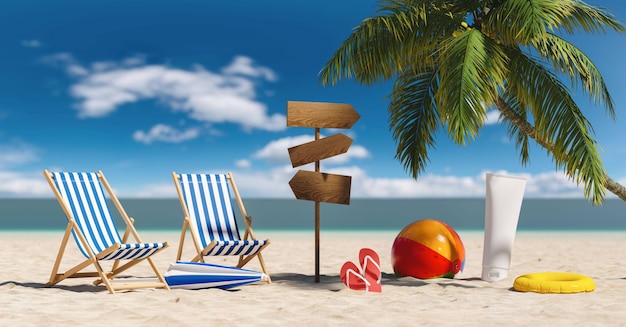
<point x="502" y="207"/>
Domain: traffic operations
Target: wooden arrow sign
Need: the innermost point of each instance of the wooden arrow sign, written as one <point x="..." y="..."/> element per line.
<point x="321" y="114"/>
<point x="319" y="149"/>
<point x="321" y="187"/>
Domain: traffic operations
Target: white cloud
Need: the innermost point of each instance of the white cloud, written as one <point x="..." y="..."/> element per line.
<point x="13" y="156"/>
<point x="244" y="66"/>
<point x="426" y="186"/>
<point x="355" y="151"/>
<point x="31" y="43"/>
<point x="553" y="184"/>
<point x="66" y="61"/>
<point x="152" y="191"/>
<point x="276" y="151"/>
<point x="226" y="97"/>
<point x="492" y="117"/>
<point x="275" y="184"/>
<point x="16" y="184"/>
<point x="250" y="183"/>
<point x="17" y="154"/>
<point x="165" y="133"/>
<point x="243" y="164"/>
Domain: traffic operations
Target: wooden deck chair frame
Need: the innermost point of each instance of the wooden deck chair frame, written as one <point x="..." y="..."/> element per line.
<point x="201" y="252"/>
<point x="105" y="277"/>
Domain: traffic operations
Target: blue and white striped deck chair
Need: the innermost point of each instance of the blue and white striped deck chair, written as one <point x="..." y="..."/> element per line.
<point x="82" y="198"/>
<point x="209" y="215"/>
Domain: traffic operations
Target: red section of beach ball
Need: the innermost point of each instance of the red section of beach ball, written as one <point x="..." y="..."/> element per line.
<point x="427" y="249"/>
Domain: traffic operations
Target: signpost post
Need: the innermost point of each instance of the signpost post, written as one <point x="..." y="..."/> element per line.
<point x="317" y="186"/>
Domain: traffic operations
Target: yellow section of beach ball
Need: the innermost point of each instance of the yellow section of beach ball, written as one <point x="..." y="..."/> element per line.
<point x="435" y="235"/>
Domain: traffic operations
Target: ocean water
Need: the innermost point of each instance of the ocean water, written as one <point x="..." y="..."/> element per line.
<point x="361" y="214"/>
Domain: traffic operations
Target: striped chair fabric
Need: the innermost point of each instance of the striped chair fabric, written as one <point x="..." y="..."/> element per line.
<point x="85" y="196"/>
<point x="208" y="203"/>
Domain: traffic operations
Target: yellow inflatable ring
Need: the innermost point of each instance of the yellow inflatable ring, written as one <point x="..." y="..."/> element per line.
<point x="554" y="282"/>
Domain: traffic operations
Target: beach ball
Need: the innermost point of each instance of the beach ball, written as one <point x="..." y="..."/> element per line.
<point x="428" y="248"/>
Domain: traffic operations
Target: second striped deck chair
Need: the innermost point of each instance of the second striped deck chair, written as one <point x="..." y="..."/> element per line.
<point x="82" y="198"/>
<point x="209" y="216"/>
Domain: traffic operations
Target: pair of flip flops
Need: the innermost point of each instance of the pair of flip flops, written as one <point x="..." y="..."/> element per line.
<point x="367" y="277"/>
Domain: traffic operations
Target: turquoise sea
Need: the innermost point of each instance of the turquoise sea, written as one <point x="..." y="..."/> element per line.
<point x="361" y="214"/>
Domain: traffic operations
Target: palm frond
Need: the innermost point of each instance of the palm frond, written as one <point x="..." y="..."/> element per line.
<point x="383" y="46"/>
<point x="590" y="19"/>
<point x="571" y="61"/>
<point x="413" y="118"/>
<point x="520" y="21"/>
<point x="472" y="69"/>
<point x="432" y="6"/>
<point x="444" y="78"/>
<point x="522" y="140"/>
<point x="560" y="123"/>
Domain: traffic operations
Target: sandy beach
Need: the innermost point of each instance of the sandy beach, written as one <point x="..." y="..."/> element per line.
<point x="294" y="299"/>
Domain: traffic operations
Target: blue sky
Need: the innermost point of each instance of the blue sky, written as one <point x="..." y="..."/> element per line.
<point x="139" y="89"/>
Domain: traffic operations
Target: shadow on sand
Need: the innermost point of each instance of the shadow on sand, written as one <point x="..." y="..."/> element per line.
<point x="83" y="288"/>
<point x="334" y="283"/>
<point x="300" y="281"/>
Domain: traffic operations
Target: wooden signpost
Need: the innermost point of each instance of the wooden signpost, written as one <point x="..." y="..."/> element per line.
<point x="321" y="115"/>
<point x="321" y="187"/>
<point x="318" y="150"/>
<point x="317" y="186"/>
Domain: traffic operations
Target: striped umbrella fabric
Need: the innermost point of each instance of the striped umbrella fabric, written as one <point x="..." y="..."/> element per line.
<point x="208" y="201"/>
<point x="199" y="275"/>
<point x="83" y="193"/>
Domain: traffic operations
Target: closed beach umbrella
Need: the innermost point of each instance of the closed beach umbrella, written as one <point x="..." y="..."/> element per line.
<point x="197" y="275"/>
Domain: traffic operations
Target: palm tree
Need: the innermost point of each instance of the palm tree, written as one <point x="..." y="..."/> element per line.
<point x="453" y="60"/>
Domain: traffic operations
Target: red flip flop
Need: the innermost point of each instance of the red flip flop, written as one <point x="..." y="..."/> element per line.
<point x="351" y="276"/>
<point x="370" y="264"/>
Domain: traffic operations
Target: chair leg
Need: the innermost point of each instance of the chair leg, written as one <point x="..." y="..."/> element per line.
<point x="53" y="276"/>
<point x="116" y="263"/>
<point x="107" y="277"/>
<point x="200" y="256"/>
<point x="182" y="240"/>
<point x="103" y="277"/>
<point x="244" y="260"/>
<point x="262" y="262"/>
<point x="113" y="273"/>
<point x="158" y="274"/>
<point x="56" y="278"/>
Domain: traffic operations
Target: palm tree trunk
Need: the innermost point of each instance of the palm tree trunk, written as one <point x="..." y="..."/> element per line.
<point x="615" y="187"/>
<point x="528" y="129"/>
